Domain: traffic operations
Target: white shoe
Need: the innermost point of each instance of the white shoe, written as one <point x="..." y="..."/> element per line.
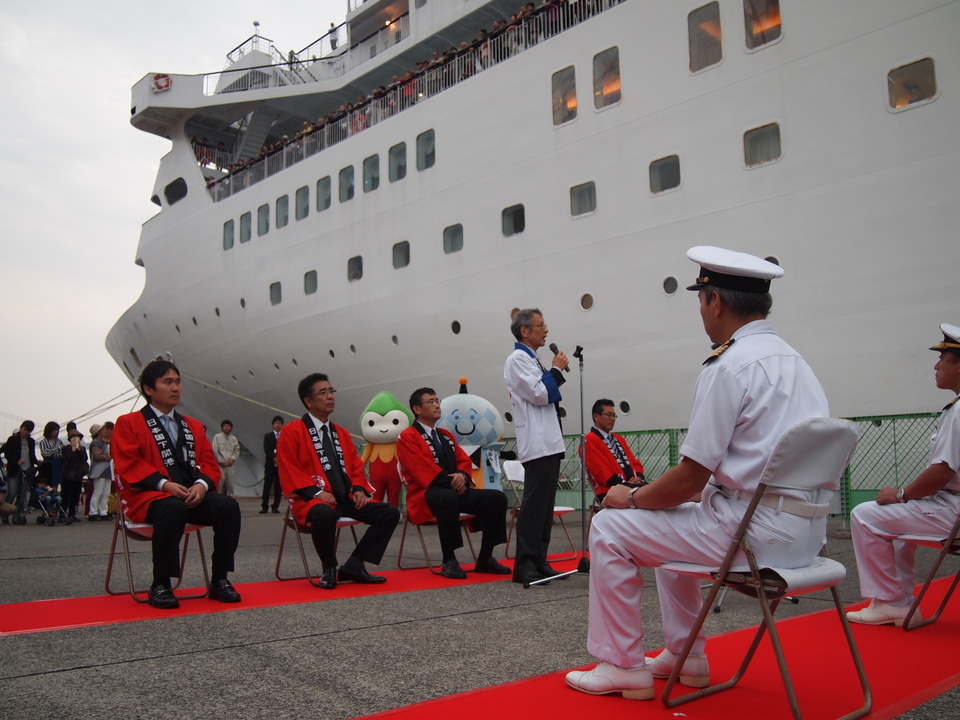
<point x="695" y="672"/>
<point x="606" y="678"/>
<point x="879" y="612"/>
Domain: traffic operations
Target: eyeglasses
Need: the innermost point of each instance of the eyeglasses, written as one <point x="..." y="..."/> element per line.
<point x="609" y="415"/>
<point x="541" y="326"/>
<point x="325" y="392"/>
<point x="433" y="401"/>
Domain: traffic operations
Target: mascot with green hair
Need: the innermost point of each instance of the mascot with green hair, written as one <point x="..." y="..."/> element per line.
<point x="381" y="424"/>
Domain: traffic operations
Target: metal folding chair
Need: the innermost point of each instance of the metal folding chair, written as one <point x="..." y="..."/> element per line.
<point x="290" y="523"/>
<point x="811" y="455"/>
<point x="514" y="476"/>
<point x="950" y="545"/>
<point x="464" y="519"/>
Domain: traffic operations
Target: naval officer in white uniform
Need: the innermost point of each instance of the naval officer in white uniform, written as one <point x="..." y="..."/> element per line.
<point x="751" y="390"/>
<point x="927" y="506"/>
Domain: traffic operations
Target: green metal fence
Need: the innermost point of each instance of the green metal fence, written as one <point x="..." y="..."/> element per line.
<point x="892" y="451"/>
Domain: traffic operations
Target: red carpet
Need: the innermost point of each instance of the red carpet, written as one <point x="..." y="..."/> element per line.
<point x="905" y="669"/>
<point x="45" y="615"/>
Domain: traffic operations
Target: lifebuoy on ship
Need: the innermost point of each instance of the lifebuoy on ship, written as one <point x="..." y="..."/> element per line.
<point x="162" y="82"/>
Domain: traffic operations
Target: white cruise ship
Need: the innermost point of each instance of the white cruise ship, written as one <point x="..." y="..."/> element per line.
<point x="566" y="162"/>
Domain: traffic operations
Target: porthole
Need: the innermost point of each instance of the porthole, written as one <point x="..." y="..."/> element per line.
<point x="508" y="417"/>
<point x="586" y="301"/>
<point x="234" y="378"/>
<point x="194" y="321"/>
<point x="276" y="367"/>
<point x="455" y="327"/>
<point x="294" y="361"/>
<point x="332" y="353"/>
<point x="624" y="407"/>
<point x="773" y="259"/>
<point x="178" y="329"/>
<point x="251" y="373"/>
<point x="353" y="349"/>
<point x="670" y="285"/>
<point x="395" y="340"/>
<point x="562" y="412"/>
<point x="216" y="311"/>
<point x="243" y="303"/>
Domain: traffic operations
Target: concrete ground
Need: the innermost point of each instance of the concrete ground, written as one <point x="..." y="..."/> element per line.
<point x="337" y="659"/>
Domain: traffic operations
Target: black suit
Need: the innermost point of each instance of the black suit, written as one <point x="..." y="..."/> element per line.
<point x="271" y="478"/>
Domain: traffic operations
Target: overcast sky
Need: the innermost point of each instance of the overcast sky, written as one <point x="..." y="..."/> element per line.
<point x="77" y="177"/>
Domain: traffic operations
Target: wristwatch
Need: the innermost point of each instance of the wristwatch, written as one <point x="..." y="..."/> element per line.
<point x="630" y="501"/>
<point x="900" y="497"/>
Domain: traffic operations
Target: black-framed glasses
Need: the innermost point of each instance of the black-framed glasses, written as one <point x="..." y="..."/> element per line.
<point x="325" y="392"/>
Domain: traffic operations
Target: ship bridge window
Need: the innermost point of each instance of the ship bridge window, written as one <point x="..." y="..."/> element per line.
<point x="426" y="150"/>
<point x="606" y="78"/>
<point x="245" y="222"/>
<point x="276" y="293"/>
<point x="761" y="145"/>
<point x="228" y="235"/>
<point x="398" y="162"/>
<point x="564" y="95"/>
<point x="583" y="198"/>
<point x="283" y="210"/>
<point x="310" y="282"/>
<point x="302" y="202"/>
<point x="263" y="220"/>
<point x="355" y="268"/>
<point x="401" y="254"/>
<point x="453" y="239"/>
<point x="761" y="20"/>
<point x="371" y="173"/>
<point x="513" y="220"/>
<point x="664" y="174"/>
<point x="911" y="84"/>
<point x="323" y="193"/>
<point x="704" y="36"/>
<point x="175" y="191"/>
<point x="346" y="184"/>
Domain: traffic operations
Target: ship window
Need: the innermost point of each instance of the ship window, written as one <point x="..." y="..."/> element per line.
<point x="453" y="239"/>
<point x="564" y="95"/>
<point x="136" y="358"/>
<point x="761" y="19"/>
<point x="263" y="220"/>
<point x="228" y="235"/>
<point x="426" y="150"/>
<point x="283" y="210"/>
<point x="355" y="268"/>
<point x="419" y="3"/>
<point x="175" y="191"/>
<point x="583" y="198"/>
<point x="401" y="254"/>
<point x="704" y="36"/>
<point x="913" y="83"/>
<point x="346" y="183"/>
<point x="398" y="162"/>
<point x="302" y="202"/>
<point x="513" y="220"/>
<point x="664" y="174"/>
<point x="455" y="327"/>
<point x="310" y="282"/>
<point x="761" y="145"/>
<point x="323" y="193"/>
<point x="245" y="227"/>
<point x="276" y="294"/>
<point x="606" y="78"/>
<point x="371" y="173"/>
<point x="670" y="285"/>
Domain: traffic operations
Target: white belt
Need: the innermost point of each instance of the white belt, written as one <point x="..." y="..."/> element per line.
<point x="781" y="503"/>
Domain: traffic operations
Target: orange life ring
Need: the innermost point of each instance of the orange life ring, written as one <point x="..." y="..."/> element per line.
<point x="162" y="82"/>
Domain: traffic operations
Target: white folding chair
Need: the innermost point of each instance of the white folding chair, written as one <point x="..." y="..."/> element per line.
<point x="290" y="522"/>
<point x="950" y="545"/>
<point x="811" y="455"/>
<point x="465" y="518"/>
<point x="514" y="475"/>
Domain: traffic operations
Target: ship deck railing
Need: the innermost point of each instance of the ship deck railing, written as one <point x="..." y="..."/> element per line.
<point x="891" y="452"/>
<point x="415" y="88"/>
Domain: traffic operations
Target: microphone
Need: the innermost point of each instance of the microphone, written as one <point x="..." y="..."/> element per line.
<point x="556" y="351"/>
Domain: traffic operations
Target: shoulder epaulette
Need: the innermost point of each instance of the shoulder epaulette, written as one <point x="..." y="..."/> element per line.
<point x="719" y="351"/>
<point x="950" y="404"/>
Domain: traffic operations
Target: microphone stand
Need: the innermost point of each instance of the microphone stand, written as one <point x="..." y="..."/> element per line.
<point x="584" y="565"/>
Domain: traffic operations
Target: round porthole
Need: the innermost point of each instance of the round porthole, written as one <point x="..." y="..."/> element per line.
<point x="276" y="367"/>
<point x="562" y="412"/>
<point x="294" y="361"/>
<point x="395" y="340"/>
<point x="194" y="321"/>
<point x="508" y="417"/>
<point x="332" y="353"/>
<point x="178" y="329"/>
<point x="670" y="285"/>
<point x="216" y="311"/>
<point x="772" y="258"/>
<point x="353" y="349"/>
<point x="455" y="327"/>
<point x="243" y="303"/>
<point x="624" y="407"/>
<point x="586" y="301"/>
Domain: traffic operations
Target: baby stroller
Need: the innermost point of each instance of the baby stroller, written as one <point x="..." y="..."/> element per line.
<point x="49" y="502"/>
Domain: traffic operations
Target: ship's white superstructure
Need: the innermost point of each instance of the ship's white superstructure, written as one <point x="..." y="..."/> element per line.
<point x="830" y="146"/>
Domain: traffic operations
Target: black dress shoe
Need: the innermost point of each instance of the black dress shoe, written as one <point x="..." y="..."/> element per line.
<point x="359" y="576"/>
<point x="328" y="581"/>
<point x="451" y="569"/>
<point x="528" y="578"/>
<point x="223" y="591"/>
<point x="275" y="510"/>
<point x="262" y="512"/>
<point x="545" y="570"/>
<point x="492" y="566"/>
<point x="162" y="597"/>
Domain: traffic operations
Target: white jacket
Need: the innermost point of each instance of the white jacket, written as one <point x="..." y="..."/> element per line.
<point x="533" y="392"/>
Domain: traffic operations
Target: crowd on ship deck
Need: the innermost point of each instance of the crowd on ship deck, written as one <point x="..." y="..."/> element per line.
<point x="505" y="38"/>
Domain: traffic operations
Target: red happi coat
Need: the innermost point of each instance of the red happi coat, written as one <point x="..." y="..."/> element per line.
<point x="602" y="465"/>
<point x="418" y="469"/>
<point x="298" y="465"/>
<point x="136" y="457"/>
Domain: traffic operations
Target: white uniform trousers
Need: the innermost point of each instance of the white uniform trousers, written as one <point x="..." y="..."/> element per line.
<point x="623" y="541"/>
<point x="885" y="564"/>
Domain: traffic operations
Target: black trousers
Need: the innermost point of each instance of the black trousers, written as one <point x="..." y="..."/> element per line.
<point x="381" y="517"/>
<point x="70" y="490"/>
<point x="535" y="520"/>
<point x="271" y="481"/>
<point x="169" y="516"/>
<point x="490" y="507"/>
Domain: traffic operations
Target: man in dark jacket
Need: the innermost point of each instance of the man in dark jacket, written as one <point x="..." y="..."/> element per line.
<point x="20" y="452"/>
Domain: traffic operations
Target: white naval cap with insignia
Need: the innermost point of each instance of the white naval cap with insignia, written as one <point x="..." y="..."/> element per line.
<point x="732" y="270"/>
<point x="951" y="338"/>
